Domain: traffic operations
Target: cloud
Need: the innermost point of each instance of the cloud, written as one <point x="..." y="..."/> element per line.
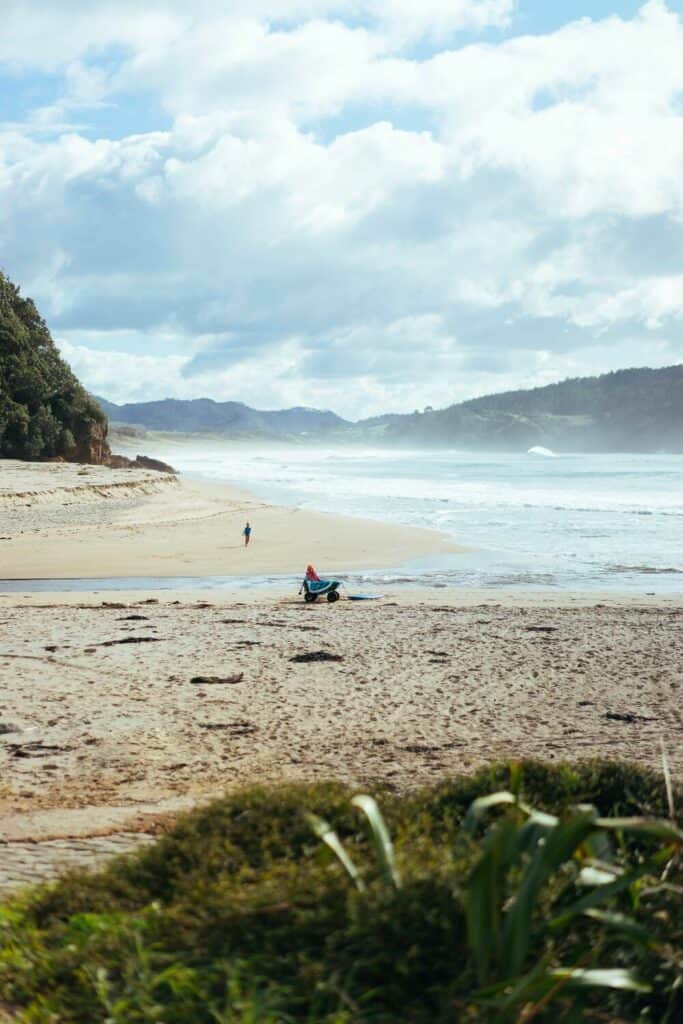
<point x="322" y="205"/>
<point x="31" y="27"/>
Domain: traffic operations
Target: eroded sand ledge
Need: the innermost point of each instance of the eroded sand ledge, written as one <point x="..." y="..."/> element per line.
<point x="60" y="521"/>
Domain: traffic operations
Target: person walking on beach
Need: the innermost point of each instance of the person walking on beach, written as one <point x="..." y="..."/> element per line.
<point x="246" y="533"/>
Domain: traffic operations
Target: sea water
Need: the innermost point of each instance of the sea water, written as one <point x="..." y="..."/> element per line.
<point x="531" y="519"/>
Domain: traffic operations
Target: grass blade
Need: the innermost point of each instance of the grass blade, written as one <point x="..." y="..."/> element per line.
<point x="667" y="780"/>
<point x="560" y="844"/>
<point x="622" y="923"/>
<point x="478" y="808"/>
<point x="486" y="896"/>
<point x="326" y="833"/>
<point x="643" y="826"/>
<point x="610" y="977"/>
<point x="381" y="838"/>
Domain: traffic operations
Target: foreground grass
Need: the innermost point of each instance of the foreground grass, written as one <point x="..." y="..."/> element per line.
<point x="242" y="915"/>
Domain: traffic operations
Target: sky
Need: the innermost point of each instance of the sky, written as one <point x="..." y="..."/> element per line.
<point x="362" y="205"/>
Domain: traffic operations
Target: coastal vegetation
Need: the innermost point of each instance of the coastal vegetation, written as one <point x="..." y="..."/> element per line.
<point x="525" y="893"/>
<point x="44" y="411"/>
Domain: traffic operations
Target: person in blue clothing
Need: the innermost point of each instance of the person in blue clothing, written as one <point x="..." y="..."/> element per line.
<point x="246" y="533"/>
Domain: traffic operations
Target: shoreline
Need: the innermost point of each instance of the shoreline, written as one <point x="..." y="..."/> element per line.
<point x="285" y="593"/>
<point x="62" y="521"/>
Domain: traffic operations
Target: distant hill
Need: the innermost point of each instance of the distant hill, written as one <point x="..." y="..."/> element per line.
<point x="231" y="419"/>
<point x="44" y="410"/>
<point x="637" y="410"/>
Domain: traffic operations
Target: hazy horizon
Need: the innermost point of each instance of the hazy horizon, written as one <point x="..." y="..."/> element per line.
<point x="388" y="412"/>
<point x="346" y="204"/>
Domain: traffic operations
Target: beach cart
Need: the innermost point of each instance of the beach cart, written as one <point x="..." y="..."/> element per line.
<point x="314" y="587"/>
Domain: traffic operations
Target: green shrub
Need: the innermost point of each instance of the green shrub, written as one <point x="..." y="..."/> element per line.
<point x="242" y="914"/>
<point x="44" y="411"/>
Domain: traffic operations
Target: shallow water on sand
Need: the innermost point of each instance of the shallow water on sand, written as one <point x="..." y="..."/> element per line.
<point x="569" y="521"/>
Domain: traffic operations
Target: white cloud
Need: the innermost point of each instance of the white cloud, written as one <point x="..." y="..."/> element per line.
<point x="438" y="19"/>
<point x="321" y="203"/>
<point x="31" y="28"/>
<point x="122" y="376"/>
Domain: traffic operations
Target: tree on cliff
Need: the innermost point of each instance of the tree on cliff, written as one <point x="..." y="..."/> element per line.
<point x="44" y="410"/>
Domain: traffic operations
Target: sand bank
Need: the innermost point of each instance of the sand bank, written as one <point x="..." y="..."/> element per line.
<point x="63" y="521"/>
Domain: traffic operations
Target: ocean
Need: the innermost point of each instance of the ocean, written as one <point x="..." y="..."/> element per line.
<point x="576" y="522"/>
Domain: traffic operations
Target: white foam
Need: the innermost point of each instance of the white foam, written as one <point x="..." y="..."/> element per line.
<point x="540" y="450"/>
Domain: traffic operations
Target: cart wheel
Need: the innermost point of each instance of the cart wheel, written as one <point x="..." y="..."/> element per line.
<point x="333" y="596"/>
<point x="309" y="598"/>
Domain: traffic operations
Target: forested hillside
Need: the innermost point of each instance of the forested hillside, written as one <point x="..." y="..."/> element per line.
<point x="638" y="410"/>
<point x="44" y="410"/>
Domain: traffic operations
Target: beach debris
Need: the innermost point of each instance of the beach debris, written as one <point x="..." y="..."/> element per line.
<point x="302" y="659"/>
<point x="51" y="648"/>
<point x="112" y="604"/>
<point x="629" y="717"/>
<point x="234" y="728"/>
<point x="233" y="622"/>
<point x="237" y="677"/>
<point x="36" y="748"/>
<point x="132" y="618"/>
<point x="132" y="640"/>
<point x="421" y="748"/>
<point x="541" y="629"/>
<point x="7" y="727"/>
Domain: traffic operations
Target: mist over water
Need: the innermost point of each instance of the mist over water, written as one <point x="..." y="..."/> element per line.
<point x="570" y="521"/>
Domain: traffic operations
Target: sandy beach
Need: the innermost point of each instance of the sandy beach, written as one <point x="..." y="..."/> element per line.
<point x="71" y="521"/>
<point x="119" y="709"/>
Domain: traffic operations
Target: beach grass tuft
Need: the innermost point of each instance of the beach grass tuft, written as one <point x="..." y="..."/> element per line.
<point x="525" y="892"/>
